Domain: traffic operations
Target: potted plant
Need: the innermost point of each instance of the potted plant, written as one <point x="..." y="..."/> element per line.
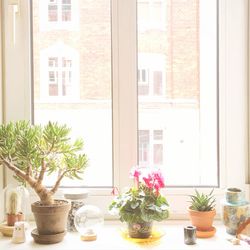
<point x="142" y="204"/>
<point x="202" y="211"/>
<point x="13" y="208"/>
<point x="33" y="152"/>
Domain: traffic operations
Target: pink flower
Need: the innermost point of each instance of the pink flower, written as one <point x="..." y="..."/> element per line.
<point x="115" y="191"/>
<point x="154" y="180"/>
<point x="159" y="179"/>
<point x="135" y="173"/>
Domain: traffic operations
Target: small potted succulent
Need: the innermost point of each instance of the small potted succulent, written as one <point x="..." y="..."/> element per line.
<point x="33" y="152"/>
<point x="202" y="210"/>
<point x="13" y="208"/>
<point x="142" y="204"/>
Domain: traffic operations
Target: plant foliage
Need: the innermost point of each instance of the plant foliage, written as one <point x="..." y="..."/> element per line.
<point x="141" y="204"/>
<point x="202" y="202"/>
<point x="33" y="151"/>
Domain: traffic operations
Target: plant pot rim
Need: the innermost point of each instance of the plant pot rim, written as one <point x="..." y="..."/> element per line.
<point x="36" y="207"/>
<point x="64" y="202"/>
<point x="202" y="212"/>
<point x="233" y="190"/>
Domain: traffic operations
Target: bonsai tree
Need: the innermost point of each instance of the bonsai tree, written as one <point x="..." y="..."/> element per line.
<point x="33" y="151"/>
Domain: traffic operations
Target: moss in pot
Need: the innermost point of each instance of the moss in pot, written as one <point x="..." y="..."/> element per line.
<point x="33" y="152"/>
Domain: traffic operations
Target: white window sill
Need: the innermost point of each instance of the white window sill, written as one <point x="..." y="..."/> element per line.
<point x="109" y="238"/>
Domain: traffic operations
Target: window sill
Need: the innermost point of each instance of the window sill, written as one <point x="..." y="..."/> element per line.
<point x="110" y="239"/>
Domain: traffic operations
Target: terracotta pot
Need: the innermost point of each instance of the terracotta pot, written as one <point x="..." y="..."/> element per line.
<point x="12" y="218"/>
<point x="51" y="220"/>
<point x="140" y="230"/>
<point x="203" y="221"/>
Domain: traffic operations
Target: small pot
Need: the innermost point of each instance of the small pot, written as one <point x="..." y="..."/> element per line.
<point x="202" y="220"/>
<point x="51" y="219"/>
<point x="12" y="218"/>
<point x="140" y="230"/>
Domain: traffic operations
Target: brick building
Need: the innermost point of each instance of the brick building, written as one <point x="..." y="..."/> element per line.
<point x="72" y="69"/>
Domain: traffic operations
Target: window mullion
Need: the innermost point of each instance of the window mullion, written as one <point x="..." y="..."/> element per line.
<point x="124" y="89"/>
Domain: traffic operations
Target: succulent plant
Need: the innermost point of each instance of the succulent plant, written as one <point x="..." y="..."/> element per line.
<point x="13" y="205"/>
<point x="202" y="202"/>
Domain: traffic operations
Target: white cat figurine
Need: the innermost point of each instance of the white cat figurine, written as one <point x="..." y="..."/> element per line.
<point x="19" y="232"/>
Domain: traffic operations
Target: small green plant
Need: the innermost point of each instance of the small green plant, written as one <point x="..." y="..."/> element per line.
<point x="202" y="202"/>
<point x="13" y="205"/>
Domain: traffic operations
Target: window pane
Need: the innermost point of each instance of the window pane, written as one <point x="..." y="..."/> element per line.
<point x="52" y="13"/>
<point x="72" y="80"/>
<point x="177" y="43"/>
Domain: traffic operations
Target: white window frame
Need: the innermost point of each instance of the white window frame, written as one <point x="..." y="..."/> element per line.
<point x="46" y="25"/>
<point x="59" y="50"/>
<point x="233" y="112"/>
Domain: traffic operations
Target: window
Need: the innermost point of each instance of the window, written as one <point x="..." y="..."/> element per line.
<point x="178" y="103"/>
<point x="59" y="11"/>
<point x="151" y="75"/>
<point x="73" y="83"/>
<point x="150" y="148"/>
<point x="57" y="14"/>
<point x="59" y="73"/>
<point x="182" y="130"/>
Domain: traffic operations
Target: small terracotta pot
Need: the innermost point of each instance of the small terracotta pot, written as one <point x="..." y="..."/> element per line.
<point x="203" y="221"/>
<point x="12" y="218"/>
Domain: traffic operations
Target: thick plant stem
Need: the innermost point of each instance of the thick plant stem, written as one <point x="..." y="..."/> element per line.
<point x="45" y="195"/>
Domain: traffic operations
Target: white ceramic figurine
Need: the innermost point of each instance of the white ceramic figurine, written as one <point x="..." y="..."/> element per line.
<point x="19" y="232"/>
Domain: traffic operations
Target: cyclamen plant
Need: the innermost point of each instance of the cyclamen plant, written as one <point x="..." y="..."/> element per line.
<point x="143" y="202"/>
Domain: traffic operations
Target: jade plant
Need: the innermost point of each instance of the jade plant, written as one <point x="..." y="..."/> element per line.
<point x="33" y="152"/>
<point x="202" y="202"/>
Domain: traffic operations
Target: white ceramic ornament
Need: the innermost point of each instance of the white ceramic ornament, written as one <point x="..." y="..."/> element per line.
<point x="19" y="232"/>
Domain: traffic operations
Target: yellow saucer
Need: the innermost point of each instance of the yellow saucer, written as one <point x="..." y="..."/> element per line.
<point x="155" y="236"/>
<point x="6" y="230"/>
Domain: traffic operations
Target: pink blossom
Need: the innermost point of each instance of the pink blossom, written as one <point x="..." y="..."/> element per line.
<point x="159" y="179"/>
<point x="135" y="173"/>
<point x="148" y="181"/>
<point x="154" y="180"/>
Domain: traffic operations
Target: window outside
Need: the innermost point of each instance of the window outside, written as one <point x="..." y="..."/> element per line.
<point x="72" y="78"/>
<point x="176" y="105"/>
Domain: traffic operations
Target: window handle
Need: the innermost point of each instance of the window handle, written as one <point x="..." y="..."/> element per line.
<point x="14" y="4"/>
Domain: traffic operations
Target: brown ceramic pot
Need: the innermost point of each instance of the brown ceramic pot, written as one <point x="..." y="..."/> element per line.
<point x="51" y="220"/>
<point x="202" y="220"/>
<point x="12" y="218"/>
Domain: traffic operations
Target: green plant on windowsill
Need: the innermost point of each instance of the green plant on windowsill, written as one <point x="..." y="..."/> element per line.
<point x="142" y="204"/>
<point x="202" y="202"/>
<point x="33" y="152"/>
<point x="202" y="211"/>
